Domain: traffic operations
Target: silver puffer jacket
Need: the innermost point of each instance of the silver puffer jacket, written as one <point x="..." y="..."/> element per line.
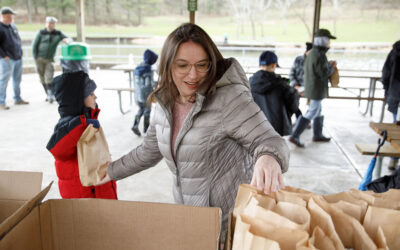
<point x="216" y="148"/>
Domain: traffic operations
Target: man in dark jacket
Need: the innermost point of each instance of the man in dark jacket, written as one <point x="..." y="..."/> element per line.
<point x="44" y="49"/>
<point x="391" y="84"/>
<point x="317" y="70"/>
<point x="273" y="94"/>
<point x="10" y="57"/>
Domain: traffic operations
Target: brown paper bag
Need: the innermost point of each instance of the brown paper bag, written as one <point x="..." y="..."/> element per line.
<point x="320" y="240"/>
<point x="375" y="200"/>
<point x="285" y="214"/>
<point x="388" y="220"/>
<point x="348" y="204"/>
<point x="93" y="156"/>
<point x="334" y="78"/>
<point x="287" y="238"/>
<point x="351" y="232"/>
<point x="320" y="218"/>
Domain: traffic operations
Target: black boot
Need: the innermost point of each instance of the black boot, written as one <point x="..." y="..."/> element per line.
<point x="146" y="123"/>
<point x="317" y="128"/>
<point x="301" y="124"/>
<point x="135" y="127"/>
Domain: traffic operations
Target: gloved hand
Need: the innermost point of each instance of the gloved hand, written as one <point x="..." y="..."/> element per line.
<point x="94" y="122"/>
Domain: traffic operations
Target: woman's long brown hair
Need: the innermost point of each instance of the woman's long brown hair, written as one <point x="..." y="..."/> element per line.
<point x="166" y="89"/>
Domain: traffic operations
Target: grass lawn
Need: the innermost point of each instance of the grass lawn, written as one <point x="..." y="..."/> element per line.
<point x="347" y="30"/>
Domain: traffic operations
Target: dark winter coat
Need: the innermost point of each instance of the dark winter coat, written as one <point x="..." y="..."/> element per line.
<point x="296" y="74"/>
<point x="276" y="99"/>
<point x="316" y="73"/>
<point x="143" y="82"/>
<point x="10" y="42"/>
<point x="391" y="78"/>
<point x="45" y="43"/>
<point x="68" y="89"/>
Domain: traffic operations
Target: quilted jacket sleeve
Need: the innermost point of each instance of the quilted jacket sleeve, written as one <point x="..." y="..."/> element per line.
<point x="246" y="123"/>
<point x="141" y="158"/>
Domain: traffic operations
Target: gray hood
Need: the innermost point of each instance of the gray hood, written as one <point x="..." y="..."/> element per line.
<point x="233" y="75"/>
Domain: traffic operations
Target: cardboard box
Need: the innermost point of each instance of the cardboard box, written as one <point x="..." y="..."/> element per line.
<point x="15" y="189"/>
<point x="109" y="224"/>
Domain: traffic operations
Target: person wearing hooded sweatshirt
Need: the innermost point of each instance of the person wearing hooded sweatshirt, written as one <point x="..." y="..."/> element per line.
<point x="317" y="70"/>
<point x="74" y="93"/>
<point x="273" y="95"/>
<point x="391" y="84"/>
<point x="144" y="85"/>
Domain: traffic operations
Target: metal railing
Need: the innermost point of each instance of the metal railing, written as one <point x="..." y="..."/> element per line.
<point x="347" y="59"/>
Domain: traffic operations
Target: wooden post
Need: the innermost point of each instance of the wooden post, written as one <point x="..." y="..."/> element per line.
<point x="191" y="16"/>
<point x="317" y="14"/>
<point x="80" y="21"/>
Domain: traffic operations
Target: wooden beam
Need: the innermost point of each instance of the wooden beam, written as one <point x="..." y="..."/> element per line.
<point x="317" y="15"/>
<point x="80" y="21"/>
<point x="191" y="16"/>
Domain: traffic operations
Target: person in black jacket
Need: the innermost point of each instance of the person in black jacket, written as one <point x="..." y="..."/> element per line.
<point x="273" y="94"/>
<point x="391" y="84"/>
<point x="10" y="58"/>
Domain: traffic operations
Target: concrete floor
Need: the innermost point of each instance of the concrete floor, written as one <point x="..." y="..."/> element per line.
<point x="323" y="168"/>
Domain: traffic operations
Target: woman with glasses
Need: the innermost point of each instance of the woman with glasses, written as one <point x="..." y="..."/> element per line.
<point x="207" y="127"/>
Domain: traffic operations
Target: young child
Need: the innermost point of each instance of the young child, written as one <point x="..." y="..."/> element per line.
<point x="74" y="93"/>
<point x="144" y="85"/>
<point x="273" y="94"/>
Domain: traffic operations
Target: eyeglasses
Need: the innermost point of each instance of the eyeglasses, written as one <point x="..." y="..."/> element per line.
<point x="200" y="67"/>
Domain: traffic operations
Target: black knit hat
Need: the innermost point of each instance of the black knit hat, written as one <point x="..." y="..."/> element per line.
<point x="90" y="86"/>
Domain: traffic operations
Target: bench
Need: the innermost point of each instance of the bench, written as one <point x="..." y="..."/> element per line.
<point x="119" y="91"/>
<point x="385" y="151"/>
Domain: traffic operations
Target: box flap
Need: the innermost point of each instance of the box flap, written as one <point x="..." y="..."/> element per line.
<point x="109" y="224"/>
<point x="24" y="210"/>
<point x="18" y="185"/>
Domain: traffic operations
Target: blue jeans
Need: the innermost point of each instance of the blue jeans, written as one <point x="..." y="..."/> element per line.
<point x="10" y="68"/>
<point x="314" y="110"/>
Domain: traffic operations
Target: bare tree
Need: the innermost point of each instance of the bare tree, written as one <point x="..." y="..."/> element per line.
<point x="284" y="5"/>
<point x="239" y="13"/>
<point x="306" y="4"/>
<point x="29" y="8"/>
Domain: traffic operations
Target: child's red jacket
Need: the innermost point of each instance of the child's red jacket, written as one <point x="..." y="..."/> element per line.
<point x="68" y="89"/>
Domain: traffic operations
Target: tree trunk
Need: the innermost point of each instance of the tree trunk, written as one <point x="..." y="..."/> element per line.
<point x="28" y="7"/>
<point x="108" y="11"/>
<point x="46" y="7"/>
<point x="139" y="12"/>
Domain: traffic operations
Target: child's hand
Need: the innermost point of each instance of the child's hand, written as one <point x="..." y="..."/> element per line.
<point x="94" y="122"/>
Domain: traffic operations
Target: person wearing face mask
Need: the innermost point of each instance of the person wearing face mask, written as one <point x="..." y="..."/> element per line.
<point x="206" y="127"/>
<point x="75" y="95"/>
<point x="44" y="48"/>
<point x="10" y="58"/>
<point x="317" y="70"/>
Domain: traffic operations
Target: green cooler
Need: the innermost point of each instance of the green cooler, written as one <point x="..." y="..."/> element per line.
<point x="75" y="56"/>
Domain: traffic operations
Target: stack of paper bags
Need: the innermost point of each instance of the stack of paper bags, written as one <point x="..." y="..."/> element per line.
<point x="297" y="219"/>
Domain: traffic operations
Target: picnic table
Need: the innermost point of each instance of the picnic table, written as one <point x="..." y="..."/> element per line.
<point x="393" y="132"/>
<point x="129" y="69"/>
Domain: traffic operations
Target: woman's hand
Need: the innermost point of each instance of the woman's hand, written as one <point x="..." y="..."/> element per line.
<point x="104" y="180"/>
<point x="267" y="175"/>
